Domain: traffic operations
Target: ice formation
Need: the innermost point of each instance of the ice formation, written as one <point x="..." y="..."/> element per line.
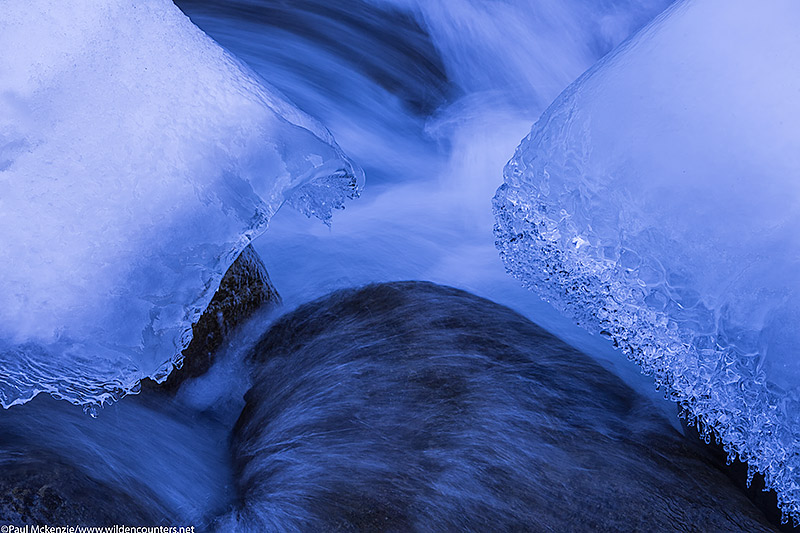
<point x="137" y="159"/>
<point x="657" y="201"/>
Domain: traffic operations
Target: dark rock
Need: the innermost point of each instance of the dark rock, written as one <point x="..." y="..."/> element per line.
<point x="244" y="289"/>
<point x="41" y="489"/>
<point x="765" y="500"/>
<point x="415" y="407"/>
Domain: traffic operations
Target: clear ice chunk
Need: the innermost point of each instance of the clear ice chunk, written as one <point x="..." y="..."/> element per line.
<point x="657" y="201"/>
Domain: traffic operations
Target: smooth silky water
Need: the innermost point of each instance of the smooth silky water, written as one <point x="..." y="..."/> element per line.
<point x="430" y="99"/>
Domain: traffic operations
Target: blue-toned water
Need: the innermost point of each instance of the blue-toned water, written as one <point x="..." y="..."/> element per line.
<point x="429" y="98"/>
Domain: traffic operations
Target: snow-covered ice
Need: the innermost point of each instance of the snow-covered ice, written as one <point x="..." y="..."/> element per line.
<point x="137" y="159"/>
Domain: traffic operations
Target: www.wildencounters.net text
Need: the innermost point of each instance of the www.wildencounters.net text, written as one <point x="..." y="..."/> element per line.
<point x="102" y="529"/>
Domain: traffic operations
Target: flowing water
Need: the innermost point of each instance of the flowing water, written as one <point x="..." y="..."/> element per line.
<point x="429" y="98"/>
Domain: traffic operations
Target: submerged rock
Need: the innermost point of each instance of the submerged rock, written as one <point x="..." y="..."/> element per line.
<point x="415" y="407"/>
<point x="41" y="483"/>
<point x="41" y="489"/>
<point x="146" y="460"/>
<point x="737" y="471"/>
<point x="245" y="288"/>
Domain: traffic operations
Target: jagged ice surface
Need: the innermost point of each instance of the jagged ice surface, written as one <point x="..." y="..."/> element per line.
<point x="137" y="159"/>
<point x="657" y="201"/>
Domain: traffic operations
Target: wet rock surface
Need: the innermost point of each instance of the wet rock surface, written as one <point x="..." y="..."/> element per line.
<point x="765" y="500"/>
<point x="415" y="407"/>
<point x="244" y="289"/>
<point x="41" y="489"/>
<point x="42" y="485"/>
